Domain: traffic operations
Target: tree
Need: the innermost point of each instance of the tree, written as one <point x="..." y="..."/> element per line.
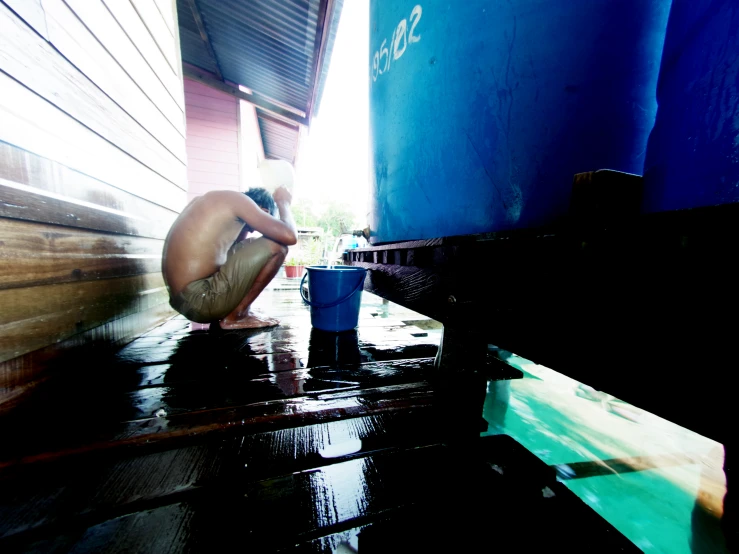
<point x="303" y="214"/>
<point x="337" y="218"/>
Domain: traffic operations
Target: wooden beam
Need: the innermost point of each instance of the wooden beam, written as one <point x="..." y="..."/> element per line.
<point x="268" y="116"/>
<point x="205" y="37"/>
<point x="197" y="74"/>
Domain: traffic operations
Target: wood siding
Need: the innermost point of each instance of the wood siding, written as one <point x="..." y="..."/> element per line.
<point x="92" y="174"/>
<point x="212" y="139"/>
<point x="224" y="144"/>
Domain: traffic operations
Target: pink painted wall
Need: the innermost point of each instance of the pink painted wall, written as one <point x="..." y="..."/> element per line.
<point x="213" y="155"/>
<point x="224" y="145"/>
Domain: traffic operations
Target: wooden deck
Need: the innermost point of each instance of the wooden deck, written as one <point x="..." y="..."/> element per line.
<point x="285" y="439"/>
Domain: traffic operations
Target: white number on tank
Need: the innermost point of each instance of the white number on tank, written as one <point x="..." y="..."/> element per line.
<point x="399" y="42"/>
<point x="384" y="52"/>
<point x="400" y="34"/>
<point x="375" y="66"/>
<point x="417" y="12"/>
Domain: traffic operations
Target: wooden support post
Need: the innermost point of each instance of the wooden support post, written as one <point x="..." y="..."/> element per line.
<point x="460" y="384"/>
<point x="461" y="351"/>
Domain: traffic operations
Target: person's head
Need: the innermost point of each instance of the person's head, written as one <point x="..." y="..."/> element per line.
<point x="263" y="199"/>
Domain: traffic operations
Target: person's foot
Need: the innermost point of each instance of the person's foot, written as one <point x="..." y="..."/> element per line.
<point x="251" y="321"/>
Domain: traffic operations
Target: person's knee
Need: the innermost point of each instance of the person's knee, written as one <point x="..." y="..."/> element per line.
<point x="277" y="249"/>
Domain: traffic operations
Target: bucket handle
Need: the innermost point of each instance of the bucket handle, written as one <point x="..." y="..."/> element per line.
<point x="330" y="304"/>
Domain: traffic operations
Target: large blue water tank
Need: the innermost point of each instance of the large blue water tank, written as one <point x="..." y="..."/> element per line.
<point x="693" y="154"/>
<point x="483" y="110"/>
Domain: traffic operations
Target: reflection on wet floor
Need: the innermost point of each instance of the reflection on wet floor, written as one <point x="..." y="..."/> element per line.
<point x="336" y="432"/>
<point x="658" y="483"/>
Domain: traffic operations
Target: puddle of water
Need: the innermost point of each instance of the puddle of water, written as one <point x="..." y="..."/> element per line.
<point x="341" y="449"/>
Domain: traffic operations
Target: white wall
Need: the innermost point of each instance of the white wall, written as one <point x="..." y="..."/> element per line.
<point x="251" y="147"/>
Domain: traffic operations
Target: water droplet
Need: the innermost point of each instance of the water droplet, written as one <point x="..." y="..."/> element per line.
<point x="160" y="413"/>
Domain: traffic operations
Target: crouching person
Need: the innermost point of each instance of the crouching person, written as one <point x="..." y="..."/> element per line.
<point x="212" y="273"/>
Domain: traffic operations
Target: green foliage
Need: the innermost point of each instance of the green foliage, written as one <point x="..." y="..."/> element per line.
<point x="308" y="253"/>
<point x="335" y="219"/>
<point x="303" y="214"/>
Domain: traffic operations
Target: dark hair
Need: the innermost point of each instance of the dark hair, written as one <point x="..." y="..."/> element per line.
<point x="263" y="199"/>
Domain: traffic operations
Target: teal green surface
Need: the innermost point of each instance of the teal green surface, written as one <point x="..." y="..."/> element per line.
<point x="659" y="484"/>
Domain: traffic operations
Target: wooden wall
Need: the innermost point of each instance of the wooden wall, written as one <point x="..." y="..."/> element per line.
<point x="224" y="144"/>
<point x="212" y="139"/>
<point x="92" y="174"/>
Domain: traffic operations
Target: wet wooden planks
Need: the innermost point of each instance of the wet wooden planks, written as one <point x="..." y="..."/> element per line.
<point x="174" y="382"/>
<point x="92" y="488"/>
<point x="495" y="492"/>
<point x="54" y="440"/>
<point x="273" y="440"/>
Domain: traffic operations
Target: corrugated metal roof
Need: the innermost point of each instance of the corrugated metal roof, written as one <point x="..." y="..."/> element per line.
<point x="269" y="46"/>
<point x="333" y="26"/>
<point x="280" y="139"/>
<point x="192" y="46"/>
<point x="272" y="47"/>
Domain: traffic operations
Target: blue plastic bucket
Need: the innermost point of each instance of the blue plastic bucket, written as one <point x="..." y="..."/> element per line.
<point x="334" y="296"/>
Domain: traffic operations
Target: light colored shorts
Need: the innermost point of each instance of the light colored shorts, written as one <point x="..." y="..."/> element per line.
<point x="213" y="298"/>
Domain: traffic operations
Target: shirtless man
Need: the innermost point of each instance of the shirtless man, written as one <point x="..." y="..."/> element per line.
<point x="213" y="274"/>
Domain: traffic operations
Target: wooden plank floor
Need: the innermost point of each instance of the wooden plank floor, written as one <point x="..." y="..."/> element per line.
<point x="280" y="440"/>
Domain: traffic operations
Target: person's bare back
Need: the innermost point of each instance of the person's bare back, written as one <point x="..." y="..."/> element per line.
<point x="198" y="244"/>
<point x="199" y="240"/>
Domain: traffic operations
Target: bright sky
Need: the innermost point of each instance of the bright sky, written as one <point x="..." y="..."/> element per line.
<point x="333" y="158"/>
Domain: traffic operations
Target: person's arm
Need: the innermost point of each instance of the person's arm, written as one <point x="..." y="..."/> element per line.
<point x="279" y="230"/>
<point x="283" y="198"/>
